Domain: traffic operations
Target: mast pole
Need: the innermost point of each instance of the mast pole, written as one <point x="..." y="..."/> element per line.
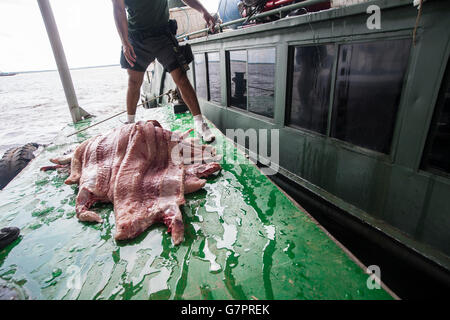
<point x="76" y="111"/>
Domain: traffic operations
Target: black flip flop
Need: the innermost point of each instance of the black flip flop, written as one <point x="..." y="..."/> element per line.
<point x="8" y="235"/>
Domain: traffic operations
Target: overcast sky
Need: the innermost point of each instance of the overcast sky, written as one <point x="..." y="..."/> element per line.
<point x="86" y="27"/>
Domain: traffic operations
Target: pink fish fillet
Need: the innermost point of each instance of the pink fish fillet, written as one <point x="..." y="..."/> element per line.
<point x="133" y="167"/>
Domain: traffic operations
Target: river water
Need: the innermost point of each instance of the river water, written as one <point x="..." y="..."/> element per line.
<point x="33" y="106"/>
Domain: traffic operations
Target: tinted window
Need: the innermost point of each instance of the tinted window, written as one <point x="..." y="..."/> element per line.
<point x="214" y="76"/>
<point x="369" y="81"/>
<point x="261" y="81"/>
<point x="311" y="82"/>
<point x="439" y="140"/>
<point x="238" y="79"/>
<point x="200" y="76"/>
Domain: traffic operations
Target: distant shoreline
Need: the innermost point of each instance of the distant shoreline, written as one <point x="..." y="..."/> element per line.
<point x="78" y="68"/>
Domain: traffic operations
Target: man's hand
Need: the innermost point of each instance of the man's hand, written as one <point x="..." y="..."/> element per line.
<point x="120" y="18"/>
<point x="129" y="54"/>
<point x="210" y="21"/>
<point x="195" y="4"/>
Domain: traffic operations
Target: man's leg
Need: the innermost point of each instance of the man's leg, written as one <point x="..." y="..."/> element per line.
<point x="187" y="91"/>
<point x="190" y="97"/>
<point x="135" y="79"/>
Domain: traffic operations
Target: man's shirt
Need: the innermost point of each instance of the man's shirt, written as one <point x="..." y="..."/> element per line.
<point x="145" y="15"/>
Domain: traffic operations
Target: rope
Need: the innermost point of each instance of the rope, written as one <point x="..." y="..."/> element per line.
<point x="168" y="93"/>
<point x="419" y="14"/>
<point x="186" y="29"/>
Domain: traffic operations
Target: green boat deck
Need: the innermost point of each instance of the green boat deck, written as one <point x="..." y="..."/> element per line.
<point x="244" y="239"/>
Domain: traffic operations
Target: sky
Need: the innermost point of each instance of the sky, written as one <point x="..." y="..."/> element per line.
<point x="86" y="28"/>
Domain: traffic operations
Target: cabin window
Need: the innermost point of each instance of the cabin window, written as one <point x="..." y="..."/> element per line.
<point x="214" y="76"/>
<point x="256" y="91"/>
<point x="369" y="83"/>
<point x="261" y="81"/>
<point x="238" y="78"/>
<point x="438" y="155"/>
<point x="310" y="81"/>
<point x="200" y="75"/>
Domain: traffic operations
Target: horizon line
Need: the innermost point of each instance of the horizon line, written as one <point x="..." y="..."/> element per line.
<point x="52" y="70"/>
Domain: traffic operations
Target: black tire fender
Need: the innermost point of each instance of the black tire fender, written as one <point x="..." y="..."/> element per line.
<point x="14" y="160"/>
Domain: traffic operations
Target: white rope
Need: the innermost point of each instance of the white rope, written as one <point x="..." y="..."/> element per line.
<point x="122" y="112"/>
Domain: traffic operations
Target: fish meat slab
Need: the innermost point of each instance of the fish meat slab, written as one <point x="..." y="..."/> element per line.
<point x="144" y="170"/>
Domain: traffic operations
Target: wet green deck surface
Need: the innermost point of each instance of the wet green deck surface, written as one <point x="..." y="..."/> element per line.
<point x="244" y="239"/>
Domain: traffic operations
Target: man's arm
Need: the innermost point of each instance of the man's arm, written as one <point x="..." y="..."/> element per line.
<point x="120" y="18"/>
<point x="195" y="4"/>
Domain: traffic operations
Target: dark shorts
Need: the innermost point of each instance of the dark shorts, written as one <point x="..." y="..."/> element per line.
<point x="147" y="48"/>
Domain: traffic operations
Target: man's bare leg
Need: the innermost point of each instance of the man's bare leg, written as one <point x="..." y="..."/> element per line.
<point x="190" y="97"/>
<point x="135" y="79"/>
<point x="187" y="91"/>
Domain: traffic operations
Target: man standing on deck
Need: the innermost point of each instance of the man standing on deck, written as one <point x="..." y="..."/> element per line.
<point x="145" y="36"/>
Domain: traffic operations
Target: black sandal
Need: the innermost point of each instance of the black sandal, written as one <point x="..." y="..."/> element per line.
<point x="8" y="235"/>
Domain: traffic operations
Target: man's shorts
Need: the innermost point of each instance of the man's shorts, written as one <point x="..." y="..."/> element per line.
<point x="147" y="48"/>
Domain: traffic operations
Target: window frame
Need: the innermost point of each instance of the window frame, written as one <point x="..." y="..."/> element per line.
<point x="338" y="41"/>
<point x="228" y="80"/>
<point x="432" y="130"/>
<point x="401" y="95"/>
<point x="208" y="78"/>
<point x="290" y="85"/>
<point x="205" y="56"/>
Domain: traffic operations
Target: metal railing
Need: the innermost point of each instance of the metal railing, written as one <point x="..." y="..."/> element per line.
<point x="290" y="7"/>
